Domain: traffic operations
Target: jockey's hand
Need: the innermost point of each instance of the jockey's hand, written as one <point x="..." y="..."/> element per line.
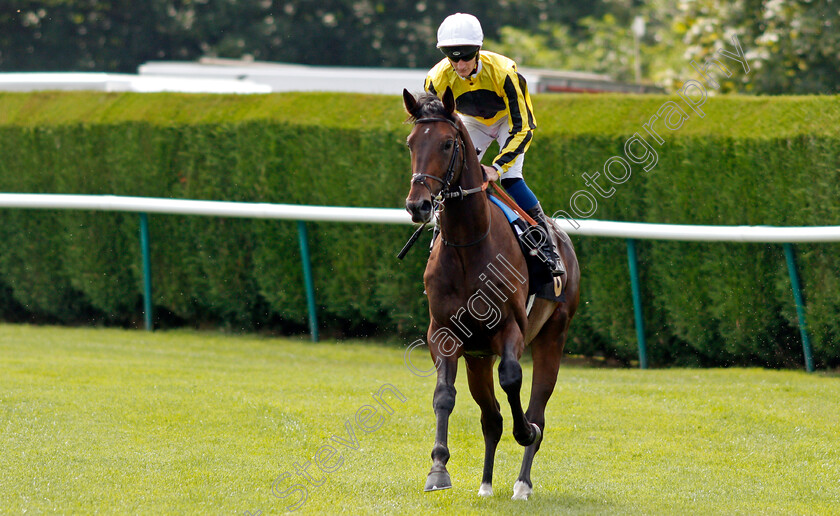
<point x="490" y="173"/>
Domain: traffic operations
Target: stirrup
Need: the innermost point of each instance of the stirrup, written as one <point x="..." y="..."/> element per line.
<point x="549" y="252"/>
<point x="555" y="264"/>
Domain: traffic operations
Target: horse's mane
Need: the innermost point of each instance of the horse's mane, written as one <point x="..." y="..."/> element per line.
<point x="430" y="106"/>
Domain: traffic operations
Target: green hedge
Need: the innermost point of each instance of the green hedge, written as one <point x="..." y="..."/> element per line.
<point x="753" y="160"/>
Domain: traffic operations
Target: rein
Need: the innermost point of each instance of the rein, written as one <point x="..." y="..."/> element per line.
<point x="479" y="239"/>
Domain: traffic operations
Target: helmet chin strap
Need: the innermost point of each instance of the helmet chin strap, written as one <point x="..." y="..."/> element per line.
<point x="477" y="60"/>
<point x="477" y="64"/>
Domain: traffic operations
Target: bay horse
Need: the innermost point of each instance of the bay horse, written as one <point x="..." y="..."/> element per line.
<point x="476" y="309"/>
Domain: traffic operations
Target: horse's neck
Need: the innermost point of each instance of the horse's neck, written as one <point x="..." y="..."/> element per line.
<point x="465" y="220"/>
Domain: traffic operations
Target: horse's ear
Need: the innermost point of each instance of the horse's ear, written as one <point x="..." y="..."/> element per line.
<point x="449" y="100"/>
<point x="409" y="101"/>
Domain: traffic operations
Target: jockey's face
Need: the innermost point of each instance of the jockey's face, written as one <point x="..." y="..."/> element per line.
<point x="464" y="68"/>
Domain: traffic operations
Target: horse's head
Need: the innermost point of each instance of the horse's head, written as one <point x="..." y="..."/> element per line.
<point x="435" y="146"/>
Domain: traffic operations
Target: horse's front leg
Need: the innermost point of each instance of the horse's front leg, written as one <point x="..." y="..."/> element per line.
<point x="444" y="402"/>
<point x="510" y="378"/>
<point x="480" y="377"/>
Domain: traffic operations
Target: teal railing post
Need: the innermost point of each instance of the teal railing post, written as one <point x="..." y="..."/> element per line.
<point x="307" y="279"/>
<point x="790" y="258"/>
<point x="147" y="271"/>
<point x="637" y="301"/>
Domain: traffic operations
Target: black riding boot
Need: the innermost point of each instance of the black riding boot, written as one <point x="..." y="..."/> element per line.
<point x="547" y="247"/>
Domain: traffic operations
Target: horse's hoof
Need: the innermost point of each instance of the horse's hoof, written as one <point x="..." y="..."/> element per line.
<point x="485" y="490"/>
<point x="437" y="480"/>
<point x="521" y="491"/>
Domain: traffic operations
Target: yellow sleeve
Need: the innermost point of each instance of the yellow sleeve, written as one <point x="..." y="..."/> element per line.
<point x="521" y="121"/>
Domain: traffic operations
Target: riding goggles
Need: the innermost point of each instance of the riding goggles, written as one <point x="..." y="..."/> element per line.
<point x="460" y="53"/>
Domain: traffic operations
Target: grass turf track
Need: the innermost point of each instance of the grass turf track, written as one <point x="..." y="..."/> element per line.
<point x="128" y="422"/>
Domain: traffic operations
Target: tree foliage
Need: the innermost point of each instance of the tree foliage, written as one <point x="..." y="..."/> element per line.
<point x="119" y="35"/>
<point x="793" y="46"/>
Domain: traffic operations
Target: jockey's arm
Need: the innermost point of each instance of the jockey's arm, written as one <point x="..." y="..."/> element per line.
<point x="521" y="121"/>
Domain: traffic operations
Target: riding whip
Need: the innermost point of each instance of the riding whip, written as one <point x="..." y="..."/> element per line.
<point x="411" y="241"/>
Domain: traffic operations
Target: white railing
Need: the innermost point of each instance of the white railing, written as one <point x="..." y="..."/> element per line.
<point x="597" y="228"/>
<point x="684" y="232"/>
<point x="594" y="228"/>
<point x="208" y="208"/>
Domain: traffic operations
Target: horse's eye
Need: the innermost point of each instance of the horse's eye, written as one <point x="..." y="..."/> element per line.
<point x="447" y="145"/>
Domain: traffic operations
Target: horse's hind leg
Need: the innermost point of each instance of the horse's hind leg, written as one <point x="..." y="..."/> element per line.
<point x="480" y="378"/>
<point x="546" y="349"/>
<point x="444" y="402"/>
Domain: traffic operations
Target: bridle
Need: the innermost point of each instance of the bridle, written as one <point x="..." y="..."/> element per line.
<point x="447" y="191"/>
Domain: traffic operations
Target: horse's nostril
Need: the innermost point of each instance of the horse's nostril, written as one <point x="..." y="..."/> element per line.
<point x="420" y="210"/>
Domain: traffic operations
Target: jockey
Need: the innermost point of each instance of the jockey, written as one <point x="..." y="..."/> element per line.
<point x="492" y="100"/>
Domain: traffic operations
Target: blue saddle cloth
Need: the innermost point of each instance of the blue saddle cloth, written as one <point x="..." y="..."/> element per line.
<point x="510" y="215"/>
<point x="541" y="283"/>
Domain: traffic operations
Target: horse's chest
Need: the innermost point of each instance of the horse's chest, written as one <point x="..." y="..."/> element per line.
<point x="473" y="299"/>
<point x="473" y="314"/>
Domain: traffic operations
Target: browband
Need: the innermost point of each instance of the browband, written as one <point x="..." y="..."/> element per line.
<point x="435" y="119"/>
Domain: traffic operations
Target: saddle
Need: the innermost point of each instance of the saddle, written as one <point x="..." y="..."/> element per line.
<point x="541" y="283"/>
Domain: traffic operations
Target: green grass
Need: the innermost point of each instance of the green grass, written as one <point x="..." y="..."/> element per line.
<point x="129" y="422"/>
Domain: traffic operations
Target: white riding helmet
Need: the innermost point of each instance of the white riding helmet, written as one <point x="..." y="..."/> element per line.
<point x="460" y="29"/>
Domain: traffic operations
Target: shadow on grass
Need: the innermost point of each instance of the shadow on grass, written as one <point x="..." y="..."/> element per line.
<point x="542" y="502"/>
